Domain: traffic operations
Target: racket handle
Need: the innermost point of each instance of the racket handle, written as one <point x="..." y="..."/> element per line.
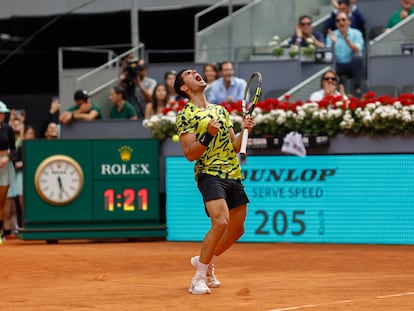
<point x="243" y="147"/>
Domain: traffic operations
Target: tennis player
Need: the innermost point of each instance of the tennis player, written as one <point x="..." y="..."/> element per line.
<point x="207" y="137"/>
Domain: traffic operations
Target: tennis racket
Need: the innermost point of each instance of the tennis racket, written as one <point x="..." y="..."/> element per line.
<point x="250" y="99"/>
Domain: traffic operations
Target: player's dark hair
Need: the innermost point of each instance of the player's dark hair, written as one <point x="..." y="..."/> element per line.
<point x="179" y="82"/>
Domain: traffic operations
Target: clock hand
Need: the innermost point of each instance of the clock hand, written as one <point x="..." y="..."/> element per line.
<point x="60" y="183"/>
<point x="60" y="187"/>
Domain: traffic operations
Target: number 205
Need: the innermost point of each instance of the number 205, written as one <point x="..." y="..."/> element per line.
<point x="280" y="222"/>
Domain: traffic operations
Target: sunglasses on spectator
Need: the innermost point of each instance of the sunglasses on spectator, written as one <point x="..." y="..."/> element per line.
<point x="305" y="23"/>
<point x="329" y="78"/>
<point x="340" y="20"/>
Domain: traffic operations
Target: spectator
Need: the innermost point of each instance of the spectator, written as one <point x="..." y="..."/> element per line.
<point x="407" y="8"/>
<point x="169" y="79"/>
<point x="305" y="34"/>
<point x="160" y="100"/>
<point x="210" y="74"/>
<point x="7" y="172"/>
<point x="16" y="121"/>
<point x="127" y="80"/>
<point x="83" y="110"/>
<point x="52" y="116"/>
<point x="330" y="86"/>
<point x="144" y="87"/>
<point x="227" y="88"/>
<point x="348" y="45"/>
<point x="356" y="17"/>
<point x="52" y="131"/>
<point x="29" y="133"/>
<point x="335" y="4"/>
<point x="121" y="109"/>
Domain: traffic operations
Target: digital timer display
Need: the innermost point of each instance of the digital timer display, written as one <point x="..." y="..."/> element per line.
<point x="129" y="200"/>
<point x="318" y="199"/>
<point x="126" y="199"/>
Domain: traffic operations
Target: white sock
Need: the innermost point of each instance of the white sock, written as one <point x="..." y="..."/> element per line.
<point x="202" y="269"/>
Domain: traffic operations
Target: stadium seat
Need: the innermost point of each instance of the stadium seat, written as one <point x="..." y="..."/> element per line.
<point x="275" y="93"/>
<point x="409" y="88"/>
<point x="381" y="90"/>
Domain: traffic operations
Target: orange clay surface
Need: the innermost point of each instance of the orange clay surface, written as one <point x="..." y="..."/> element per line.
<point x="153" y="275"/>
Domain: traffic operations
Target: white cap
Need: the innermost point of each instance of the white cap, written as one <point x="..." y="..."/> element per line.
<point x="3" y="107"/>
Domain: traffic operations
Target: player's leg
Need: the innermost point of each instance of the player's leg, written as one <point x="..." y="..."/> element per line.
<point x="219" y="217"/>
<point x="234" y="231"/>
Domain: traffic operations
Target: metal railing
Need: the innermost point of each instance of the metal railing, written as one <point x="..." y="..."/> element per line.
<point x="113" y="61"/>
<point x="390" y="41"/>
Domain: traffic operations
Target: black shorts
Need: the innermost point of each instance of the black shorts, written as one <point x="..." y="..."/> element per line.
<point x="213" y="187"/>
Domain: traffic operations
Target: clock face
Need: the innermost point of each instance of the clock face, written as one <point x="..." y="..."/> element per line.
<point x="59" y="179"/>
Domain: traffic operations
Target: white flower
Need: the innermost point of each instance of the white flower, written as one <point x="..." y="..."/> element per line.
<point x="294" y="48"/>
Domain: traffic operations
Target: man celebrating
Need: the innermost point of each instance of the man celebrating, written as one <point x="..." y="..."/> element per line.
<point x="207" y="137"/>
<point x="348" y="44"/>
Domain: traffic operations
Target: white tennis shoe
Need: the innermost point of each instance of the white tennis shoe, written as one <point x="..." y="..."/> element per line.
<point x="198" y="286"/>
<point x="212" y="281"/>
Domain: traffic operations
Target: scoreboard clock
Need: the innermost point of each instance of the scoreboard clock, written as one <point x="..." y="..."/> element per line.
<point x="91" y="189"/>
<point x="58" y="179"/>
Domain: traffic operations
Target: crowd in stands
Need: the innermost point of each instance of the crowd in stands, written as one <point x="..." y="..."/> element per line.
<point x="346" y="33"/>
<point x="138" y="96"/>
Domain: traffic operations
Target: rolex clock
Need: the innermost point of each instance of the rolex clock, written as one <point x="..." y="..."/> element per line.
<point x="58" y="179"/>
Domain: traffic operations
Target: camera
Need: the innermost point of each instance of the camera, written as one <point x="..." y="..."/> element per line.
<point x="130" y="74"/>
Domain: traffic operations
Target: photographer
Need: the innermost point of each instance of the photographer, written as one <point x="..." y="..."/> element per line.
<point x="138" y="86"/>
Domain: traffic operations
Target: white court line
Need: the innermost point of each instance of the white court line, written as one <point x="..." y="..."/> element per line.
<point x="395" y="295"/>
<point x="341" y="302"/>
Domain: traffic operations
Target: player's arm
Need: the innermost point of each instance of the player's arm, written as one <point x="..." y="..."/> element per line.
<point x="193" y="149"/>
<point x="248" y="123"/>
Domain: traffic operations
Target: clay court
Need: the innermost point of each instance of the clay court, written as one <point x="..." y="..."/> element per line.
<point x="154" y="275"/>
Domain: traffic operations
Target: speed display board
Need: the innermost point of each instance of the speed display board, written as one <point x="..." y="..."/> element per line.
<point x="365" y="199"/>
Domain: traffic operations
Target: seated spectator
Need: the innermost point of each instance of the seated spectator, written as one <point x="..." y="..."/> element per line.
<point x="160" y="100"/>
<point x="121" y="109"/>
<point x="306" y="35"/>
<point x="356" y="17"/>
<point x="83" y="110"/>
<point x="169" y="79"/>
<point x="227" y="88"/>
<point x="330" y="86"/>
<point x="407" y="8"/>
<point x="210" y="74"/>
<point x="348" y="45"/>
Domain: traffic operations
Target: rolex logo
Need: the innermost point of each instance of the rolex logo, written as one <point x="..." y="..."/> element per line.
<point x="125" y="153"/>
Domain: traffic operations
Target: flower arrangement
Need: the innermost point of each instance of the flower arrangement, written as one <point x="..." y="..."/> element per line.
<point x="278" y="50"/>
<point x="292" y="50"/>
<point x="370" y="115"/>
<point x="309" y="49"/>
